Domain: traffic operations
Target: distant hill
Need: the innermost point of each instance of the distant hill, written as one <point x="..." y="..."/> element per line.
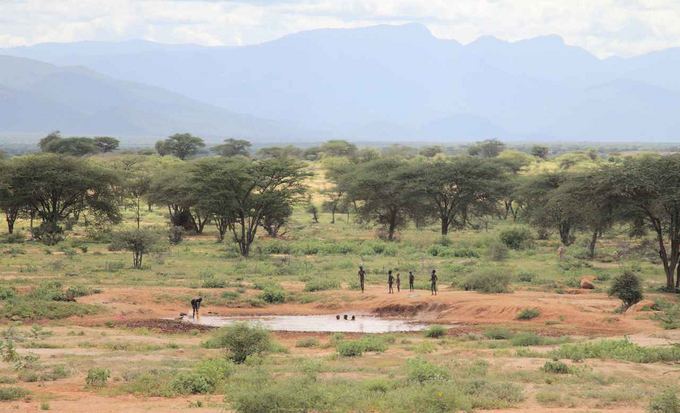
<point x="399" y="83"/>
<point x="36" y="98"/>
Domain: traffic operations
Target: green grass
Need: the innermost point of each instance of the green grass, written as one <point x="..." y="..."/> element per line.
<point x="617" y="350"/>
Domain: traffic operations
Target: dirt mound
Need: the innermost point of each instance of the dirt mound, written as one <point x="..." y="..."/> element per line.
<point x="165" y="326"/>
<point x="409" y="310"/>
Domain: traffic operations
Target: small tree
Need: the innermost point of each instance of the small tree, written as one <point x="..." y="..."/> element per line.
<point x="181" y="145"/>
<point x="232" y="147"/>
<point x="627" y="288"/>
<point x="138" y="241"/>
<point x="314" y="210"/>
<point x="241" y="340"/>
<point x="106" y="144"/>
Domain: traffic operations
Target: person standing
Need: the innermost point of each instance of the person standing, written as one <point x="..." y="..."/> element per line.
<point x="362" y="277"/>
<point x="433" y="282"/>
<point x="411" y="280"/>
<point x="398" y="282"/>
<point x="390" y="281"/>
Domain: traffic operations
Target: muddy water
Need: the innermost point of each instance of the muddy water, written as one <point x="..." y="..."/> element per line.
<point x="318" y="323"/>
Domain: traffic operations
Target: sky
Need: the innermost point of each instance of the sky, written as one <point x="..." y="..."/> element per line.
<point x="603" y="27"/>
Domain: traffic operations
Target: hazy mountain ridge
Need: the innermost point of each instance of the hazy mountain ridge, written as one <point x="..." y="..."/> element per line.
<point x="400" y="82"/>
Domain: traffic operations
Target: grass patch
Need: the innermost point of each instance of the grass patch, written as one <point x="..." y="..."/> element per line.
<point x="617" y="350"/>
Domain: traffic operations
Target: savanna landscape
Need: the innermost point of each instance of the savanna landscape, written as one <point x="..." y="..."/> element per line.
<point x="557" y="277"/>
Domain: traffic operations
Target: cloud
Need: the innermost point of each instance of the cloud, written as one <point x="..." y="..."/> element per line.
<point x="605" y="27"/>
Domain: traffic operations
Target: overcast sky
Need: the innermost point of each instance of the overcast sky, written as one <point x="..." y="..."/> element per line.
<point x="604" y="27"/>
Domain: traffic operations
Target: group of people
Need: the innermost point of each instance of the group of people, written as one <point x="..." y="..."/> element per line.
<point x="391" y="280"/>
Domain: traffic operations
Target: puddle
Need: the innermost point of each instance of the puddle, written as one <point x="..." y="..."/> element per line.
<point x="318" y="323"/>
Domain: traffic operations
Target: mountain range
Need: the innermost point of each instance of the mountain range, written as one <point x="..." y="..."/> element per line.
<point x="374" y="83"/>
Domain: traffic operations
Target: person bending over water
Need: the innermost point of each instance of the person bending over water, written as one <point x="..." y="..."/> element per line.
<point x="195" y="306"/>
<point x="390" y="281"/>
<point x="433" y="282"/>
<point x="411" y="280"/>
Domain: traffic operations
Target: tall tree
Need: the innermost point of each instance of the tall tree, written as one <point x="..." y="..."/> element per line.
<point x="489" y="148"/>
<point x="379" y="186"/>
<point x="106" y="143"/>
<point x="175" y="188"/>
<point x="59" y="188"/>
<point x="181" y="145"/>
<point x="649" y="186"/>
<point x="233" y="147"/>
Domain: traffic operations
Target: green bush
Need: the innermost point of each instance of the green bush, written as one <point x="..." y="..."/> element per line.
<point x="487" y="281"/>
<point x="419" y="370"/>
<point x="321" y="284"/>
<point x="352" y="348"/>
<point x="33" y="309"/>
<point x="7" y="292"/>
<point x="212" y="282"/>
<point x="97" y="377"/>
<point x="373" y="343"/>
<point x="517" y="238"/>
<point x="191" y="383"/>
<point x="498" y="333"/>
<point x="241" y="340"/>
<point x="497" y="251"/>
<point x="263" y="394"/>
<point x="12" y="393"/>
<point x="617" y="350"/>
<point x="435" y="331"/>
<point x="665" y="402"/>
<point x="526" y="339"/>
<point x="555" y="367"/>
<point x="627" y="288"/>
<point x="273" y="295"/>
<point x="528" y="314"/>
<point x="307" y="342"/>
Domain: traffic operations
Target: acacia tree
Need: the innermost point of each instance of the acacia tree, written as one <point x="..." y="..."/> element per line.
<point x="247" y="190"/>
<point x="138" y="241"/>
<point x="175" y="188"/>
<point x="545" y="208"/>
<point x="181" y="145"/>
<point x="232" y="147"/>
<point x="649" y="188"/>
<point x="457" y="188"/>
<point x="379" y="187"/>
<point x="136" y="176"/>
<point x="106" y="143"/>
<point x="58" y="188"/>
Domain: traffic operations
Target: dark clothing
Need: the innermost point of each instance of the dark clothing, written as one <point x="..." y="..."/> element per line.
<point x="411" y="280"/>
<point x="433" y="284"/>
<point x="362" y="278"/>
<point x="390" y="281"/>
<point x="398" y="283"/>
<point x="195" y="306"/>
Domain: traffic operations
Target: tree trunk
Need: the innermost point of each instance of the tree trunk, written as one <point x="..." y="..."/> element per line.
<point x="591" y="245"/>
<point x="445" y="225"/>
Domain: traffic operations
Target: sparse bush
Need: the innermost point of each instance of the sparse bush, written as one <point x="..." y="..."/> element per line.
<point x="97" y="377"/>
<point x="517" y="238"/>
<point x="435" y="331"/>
<point x="12" y="393"/>
<point x="419" y="370"/>
<point x="191" y="383"/>
<point x="487" y="281"/>
<point x="528" y="314"/>
<point x="307" y="342"/>
<point x="617" y="350"/>
<point x="498" y="333"/>
<point x="241" y="340"/>
<point x="352" y="348"/>
<point x="7" y="293"/>
<point x="526" y="339"/>
<point x="321" y="285"/>
<point x="556" y="367"/>
<point x="665" y="402"/>
<point x="627" y="288"/>
<point x="497" y="251"/>
<point x="212" y="282"/>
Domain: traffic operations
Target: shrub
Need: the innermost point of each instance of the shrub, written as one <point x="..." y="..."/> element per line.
<point x="526" y="339"/>
<point x="212" y="282"/>
<point x="498" y="333"/>
<point x="273" y="295"/>
<point x="215" y="370"/>
<point x="528" y="314"/>
<point x="97" y="377"/>
<point x="435" y="331"/>
<point x="12" y="393"/>
<point x="526" y="277"/>
<point x="7" y="292"/>
<point x="497" y="251"/>
<point x="15" y="238"/>
<point x="350" y="348"/>
<point x="517" y="238"/>
<point x="627" y="288"/>
<point x="617" y="350"/>
<point x="191" y="383"/>
<point x="419" y="370"/>
<point x="241" y="340"/>
<point x="373" y="343"/>
<point x="321" y="285"/>
<point x="31" y="309"/>
<point x="556" y="367"/>
<point x="488" y="281"/>
<point x="262" y="394"/>
<point x="665" y="402"/>
<point x="307" y="342"/>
